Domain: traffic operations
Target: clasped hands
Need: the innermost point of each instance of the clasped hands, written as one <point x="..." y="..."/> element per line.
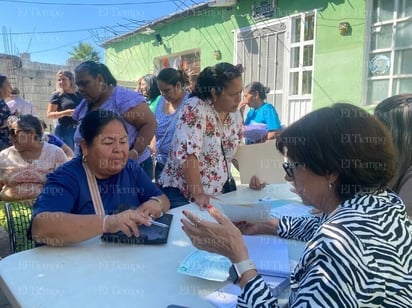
<point x="129" y="220"/>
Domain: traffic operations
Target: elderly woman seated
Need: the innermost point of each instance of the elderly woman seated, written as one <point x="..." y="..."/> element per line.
<point x="359" y="251"/>
<point x="82" y="199"/>
<point x="24" y="165"/>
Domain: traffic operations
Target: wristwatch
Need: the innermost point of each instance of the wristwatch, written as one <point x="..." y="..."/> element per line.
<point x="238" y="269"/>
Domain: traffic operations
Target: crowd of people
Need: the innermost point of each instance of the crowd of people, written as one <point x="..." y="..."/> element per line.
<point x="120" y="157"/>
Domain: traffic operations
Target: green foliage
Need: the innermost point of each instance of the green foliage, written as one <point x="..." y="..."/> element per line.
<point x="84" y="52"/>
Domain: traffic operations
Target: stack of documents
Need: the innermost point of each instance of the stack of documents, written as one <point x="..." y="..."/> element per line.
<point x="257" y="211"/>
<point x="269" y="253"/>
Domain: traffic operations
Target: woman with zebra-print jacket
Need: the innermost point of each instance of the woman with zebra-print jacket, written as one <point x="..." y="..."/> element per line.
<point x="340" y="159"/>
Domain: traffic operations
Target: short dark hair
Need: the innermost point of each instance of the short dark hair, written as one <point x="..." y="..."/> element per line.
<point x="396" y="113"/>
<point x="15" y="91"/>
<point x="94" y="68"/>
<point x="27" y="122"/>
<point x="215" y="77"/>
<point x="94" y="122"/>
<point x="345" y="140"/>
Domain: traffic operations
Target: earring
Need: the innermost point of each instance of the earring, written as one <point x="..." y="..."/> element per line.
<point x="84" y="158"/>
<point x="103" y="86"/>
<point x="330" y="185"/>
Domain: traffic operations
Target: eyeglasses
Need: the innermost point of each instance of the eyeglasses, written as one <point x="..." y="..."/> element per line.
<point x="14" y="131"/>
<point x="289" y="167"/>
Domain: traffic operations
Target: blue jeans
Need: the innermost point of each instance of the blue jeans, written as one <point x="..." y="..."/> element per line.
<point x="66" y="133"/>
<point x="175" y="196"/>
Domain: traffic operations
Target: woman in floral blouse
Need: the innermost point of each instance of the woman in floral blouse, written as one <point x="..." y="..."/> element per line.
<point x="208" y="131"/>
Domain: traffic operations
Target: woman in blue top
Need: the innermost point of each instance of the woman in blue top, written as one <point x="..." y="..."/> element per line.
<point x="171" y="84"/>
<point x="262" y="121"/>
<point x="64" y="212"/>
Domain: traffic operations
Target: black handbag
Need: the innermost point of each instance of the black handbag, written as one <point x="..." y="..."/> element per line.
<point x="230" y="184"/>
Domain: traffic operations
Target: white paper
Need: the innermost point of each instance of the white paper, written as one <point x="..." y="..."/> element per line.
<point x="281" y="208"/>
<point x="257" y="211"/>
<point x="226" y="297"/>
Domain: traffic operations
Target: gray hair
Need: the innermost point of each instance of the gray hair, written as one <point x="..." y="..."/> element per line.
<point x="27" y="122"/>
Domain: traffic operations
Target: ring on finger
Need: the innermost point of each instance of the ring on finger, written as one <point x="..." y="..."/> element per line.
<point x="198" y="222"/>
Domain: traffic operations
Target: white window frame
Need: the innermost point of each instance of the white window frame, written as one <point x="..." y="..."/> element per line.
<point x="392" y="50"/>
<point x="300" y="104"/>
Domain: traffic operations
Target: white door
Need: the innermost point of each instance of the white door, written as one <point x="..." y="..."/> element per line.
<point x="279" y="54"/>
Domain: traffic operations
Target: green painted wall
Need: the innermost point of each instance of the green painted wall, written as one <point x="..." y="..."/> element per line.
<point x="208" y="31"/>
<point x="338" y="59"/>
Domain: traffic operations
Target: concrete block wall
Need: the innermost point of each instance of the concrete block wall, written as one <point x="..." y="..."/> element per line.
<point x="36" y="81"/>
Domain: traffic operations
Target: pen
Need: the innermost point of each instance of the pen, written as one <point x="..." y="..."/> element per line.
<point x="159" y="224"/>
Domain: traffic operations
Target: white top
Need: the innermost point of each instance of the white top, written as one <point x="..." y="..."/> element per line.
<point x="22" y="180"/>
<point x="20" y="106"/>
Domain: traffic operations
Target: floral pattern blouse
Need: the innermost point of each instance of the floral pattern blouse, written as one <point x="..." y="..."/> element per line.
<point x="200" y="132"/>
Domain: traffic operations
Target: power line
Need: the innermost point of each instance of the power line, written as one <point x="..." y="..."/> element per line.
<point x="58" y="47"/>
<point x="86" y="4"/>
<point x="77" y="30"/>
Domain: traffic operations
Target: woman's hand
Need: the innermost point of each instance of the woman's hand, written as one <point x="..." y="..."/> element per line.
<point x="126" y="221"/>
<point x="68" y="112"/>
<point x="242" y="105"/>
<point x="222" y="237"/>
<point x="202" y="200"/>
<point x="261" y="227"/>
<point x="151" y="208"/>
<point x="248" y="228"/>
<point x="256" y="184"/>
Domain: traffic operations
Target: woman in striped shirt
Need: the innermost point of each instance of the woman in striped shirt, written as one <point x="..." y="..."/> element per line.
<point x="359" y="252"/>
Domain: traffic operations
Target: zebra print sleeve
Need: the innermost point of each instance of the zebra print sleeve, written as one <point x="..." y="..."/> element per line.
<point x="342" y="270"/>
<point x="298" y="228"/>
<point x="257" y="294"/>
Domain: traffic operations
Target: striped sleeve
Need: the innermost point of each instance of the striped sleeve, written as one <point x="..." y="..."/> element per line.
<point x="343" y="270"/>
<point x="257" y="294"/>
<point x="298" y="228"/>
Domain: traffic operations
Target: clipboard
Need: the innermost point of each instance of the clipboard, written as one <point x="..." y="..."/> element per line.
<point x="262" y="160"/>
